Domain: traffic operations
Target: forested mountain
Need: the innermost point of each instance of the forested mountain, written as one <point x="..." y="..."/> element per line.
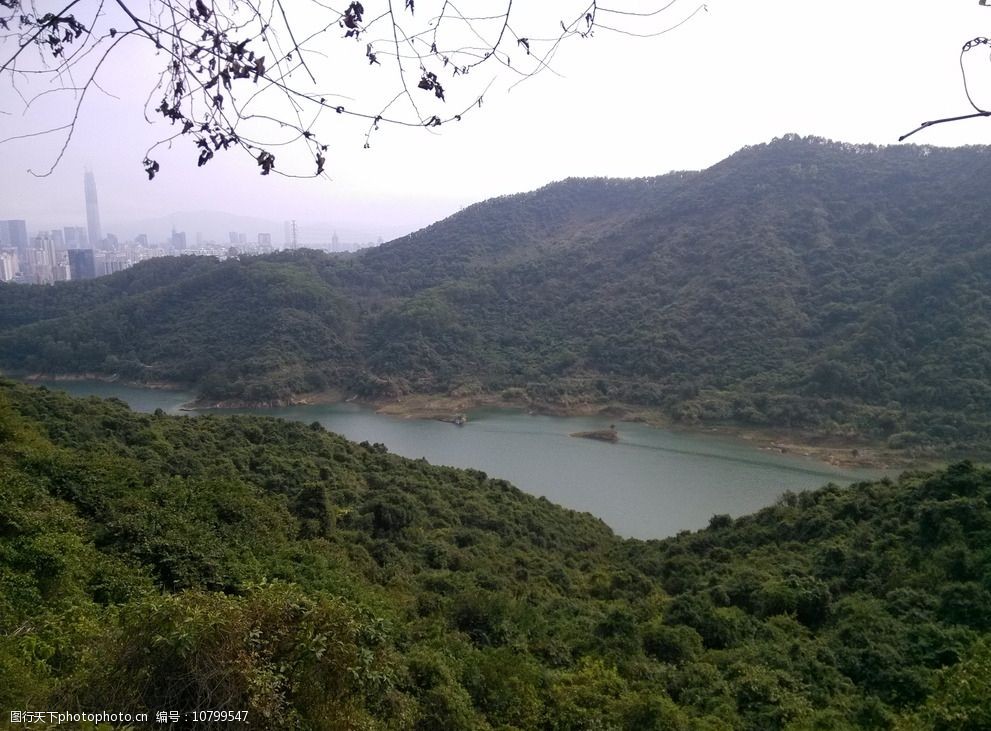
<point x="804" y="284"/>
<point x="248" y="564"/>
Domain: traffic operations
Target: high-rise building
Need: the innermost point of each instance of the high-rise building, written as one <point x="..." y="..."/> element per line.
<point x="178" y="240"/>
<point x="42" y="259"/>
<point x="92" y="210"/>
<point x="47" y="244"/>
<point x="265" y="239"/>
<point x="75" y="237"/>
<point x="14" y="235"/>
<point x="141" y="239"/>
<point x="82" y="265"/>
<point x="60" y="269"/>
<point x="8" y="265"/>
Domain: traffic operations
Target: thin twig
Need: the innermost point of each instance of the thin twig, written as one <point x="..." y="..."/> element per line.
<point x="934" y="122"/>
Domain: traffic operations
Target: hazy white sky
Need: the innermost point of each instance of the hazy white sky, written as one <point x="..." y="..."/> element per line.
<point x="738" y="74"/>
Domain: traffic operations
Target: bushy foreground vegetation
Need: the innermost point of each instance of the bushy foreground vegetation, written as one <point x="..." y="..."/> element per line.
<point x="246" y="563"/>
<point x="802" y="284"/>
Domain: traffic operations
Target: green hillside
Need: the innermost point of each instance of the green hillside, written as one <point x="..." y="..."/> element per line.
<point x="246" y="563"/>
<point x="802" y="284"/>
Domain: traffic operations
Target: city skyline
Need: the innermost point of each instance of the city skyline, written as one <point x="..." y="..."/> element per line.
<point x="32" y="254"/>
<point x="208" y="225"/>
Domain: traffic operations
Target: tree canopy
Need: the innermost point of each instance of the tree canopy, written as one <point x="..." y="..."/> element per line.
<point x="222" y="563"/>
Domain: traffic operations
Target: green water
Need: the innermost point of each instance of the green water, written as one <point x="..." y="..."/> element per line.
<point x="652" y="484"/>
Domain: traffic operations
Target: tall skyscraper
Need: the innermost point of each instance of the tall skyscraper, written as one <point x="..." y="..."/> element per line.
<point x="14" y="235"/>
<point x="92" y="210"/>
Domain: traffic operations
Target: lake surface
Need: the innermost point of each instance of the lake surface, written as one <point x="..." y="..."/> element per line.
<point x="652" y="484"/>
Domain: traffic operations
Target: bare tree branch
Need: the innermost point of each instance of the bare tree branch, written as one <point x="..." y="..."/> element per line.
<point x="979" y="112"/>
<point x="231" y="71"/>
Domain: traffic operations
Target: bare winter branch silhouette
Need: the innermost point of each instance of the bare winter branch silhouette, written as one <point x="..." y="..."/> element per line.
<point x="261" y="76"/>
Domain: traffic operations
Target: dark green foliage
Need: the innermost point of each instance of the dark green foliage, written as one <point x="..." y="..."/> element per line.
<point x="801" y="284"/>
<point x="248" y="563"/>
<point x="672" y="644"/>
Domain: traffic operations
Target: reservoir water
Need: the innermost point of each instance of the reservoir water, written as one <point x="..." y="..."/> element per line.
<point x="651" y="484"/>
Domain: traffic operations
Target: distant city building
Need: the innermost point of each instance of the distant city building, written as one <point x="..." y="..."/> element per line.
<point x="95" y="232"/>
<point x="82" y="264"/>
<point x="69" y="253"/>
<point x="232" y="237"/>
<point x="40" y="263"/>
<point x="47" y="244"/>
<point x="60" y="269"/>
<point x="8" y="265"/>
<point x="110" y="263"/>
<point x="31" y="265"/>
<point x="75" y="237"/>
<point x="335" y="242"/>
<point x="14" y="235"/>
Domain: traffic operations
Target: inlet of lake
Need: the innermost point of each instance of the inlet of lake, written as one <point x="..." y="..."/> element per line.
<point x="653" y="483"/>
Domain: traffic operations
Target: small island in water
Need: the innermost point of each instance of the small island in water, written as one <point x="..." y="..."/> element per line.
<point x="602" y="435"/>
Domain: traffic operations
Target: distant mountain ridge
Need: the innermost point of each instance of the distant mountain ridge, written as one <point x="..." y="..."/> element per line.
<point x="803" y="284"/>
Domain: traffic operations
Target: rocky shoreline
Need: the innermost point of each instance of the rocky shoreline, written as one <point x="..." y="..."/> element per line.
<point x="838" y="452"/>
